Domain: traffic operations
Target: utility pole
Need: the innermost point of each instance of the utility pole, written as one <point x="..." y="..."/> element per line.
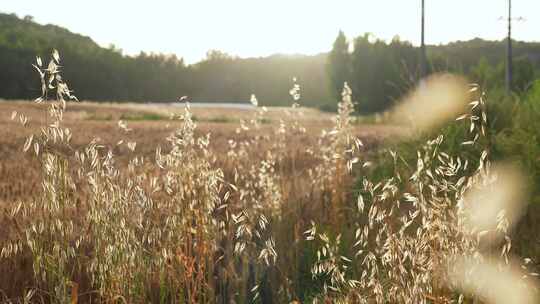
<point x="423" y="57"/>
<point x="509" y="51"/>
<point x="509" y="68"/>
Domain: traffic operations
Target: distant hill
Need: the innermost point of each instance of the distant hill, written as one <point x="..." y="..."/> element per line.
<point x="25" y="34"/>
<point x="98" y="73"/>
<point x="105" y="74"/>
<point x="463" y="55"/>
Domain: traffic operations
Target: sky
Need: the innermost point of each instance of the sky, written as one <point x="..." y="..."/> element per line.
<point x="253" y="28"/>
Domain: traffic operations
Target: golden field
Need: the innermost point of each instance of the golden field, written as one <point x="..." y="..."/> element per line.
<point x="19" y="172"/>
<point x="222" y="176"/>
<point x="128" y="203"/>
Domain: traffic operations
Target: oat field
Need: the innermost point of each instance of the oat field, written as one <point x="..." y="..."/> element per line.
<point x="150" y="126"/>
<point x="110" y="203"/>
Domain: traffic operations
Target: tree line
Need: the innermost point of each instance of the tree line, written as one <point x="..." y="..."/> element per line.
<point x="105" y="74"/>
<point x="378" y="72"/>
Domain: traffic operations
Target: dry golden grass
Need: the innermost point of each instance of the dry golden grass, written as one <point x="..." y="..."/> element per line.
<point x="237" y="149"/>
<point x="19" y="173"/>
<point x="102" y="209"/>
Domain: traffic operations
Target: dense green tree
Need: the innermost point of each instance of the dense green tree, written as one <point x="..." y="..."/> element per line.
<point x="339" y="65"/>
<point x="492" y="76"/>
<point x="381" y="72"/>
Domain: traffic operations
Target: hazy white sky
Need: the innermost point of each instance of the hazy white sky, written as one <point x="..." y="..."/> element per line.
<point x="250" y="28"/>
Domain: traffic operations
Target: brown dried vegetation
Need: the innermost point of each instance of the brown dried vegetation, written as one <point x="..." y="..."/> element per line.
<point x="177" y="212"/>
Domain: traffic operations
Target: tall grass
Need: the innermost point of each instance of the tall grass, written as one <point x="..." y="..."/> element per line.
<point x="265" y="221"/>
